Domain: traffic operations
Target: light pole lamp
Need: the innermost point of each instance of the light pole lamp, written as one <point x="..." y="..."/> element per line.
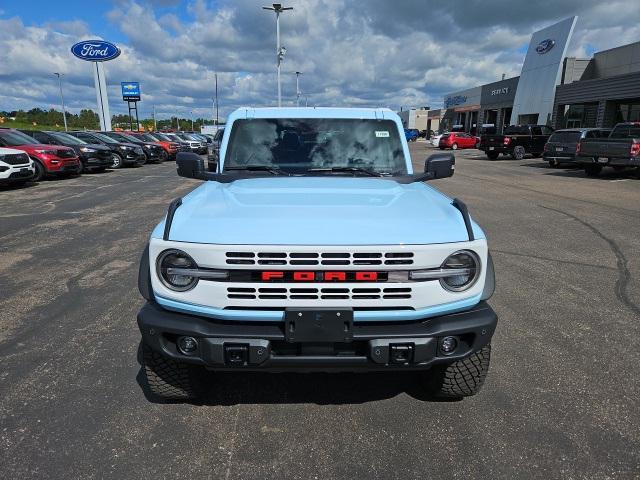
<point x="64" y="114"/>
<point x="280" y="51"/>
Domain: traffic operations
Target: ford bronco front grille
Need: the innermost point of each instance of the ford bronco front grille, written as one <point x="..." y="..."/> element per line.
<point x="328" y="293"/>
<point x="319" y="258"/>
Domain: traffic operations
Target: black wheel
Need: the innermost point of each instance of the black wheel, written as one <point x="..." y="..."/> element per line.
<point x="116" y="161"/>
<point x="461" y="378"/>
<point x="162" y="157"/>
<point x="40" y="171"/>
<point x="554" y="163"/>
<point x="518" y="153"/>
<point x="492" y="155"/>
<point x="168" y="379"/>
<point x="143" y="161"/>
<point x="592" y="170"/>
<point x="80" y="169"/>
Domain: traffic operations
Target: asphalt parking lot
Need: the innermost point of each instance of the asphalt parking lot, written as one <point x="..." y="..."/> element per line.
<point x="561" y="399"/>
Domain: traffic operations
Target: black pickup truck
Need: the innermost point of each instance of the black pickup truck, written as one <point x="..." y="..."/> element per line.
<point x="620" y="150"/>
<point x="517" y="141"/>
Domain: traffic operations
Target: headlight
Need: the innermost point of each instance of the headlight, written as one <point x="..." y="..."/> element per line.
<point x="170" y="266"/>
<point x="46" y="152"/>
<point x="457" y="273"/>
<point x="146" y="146"/>
<point x="124" y="147"/>
<point x="87" y="149"/>
<point x="466" y="266"/>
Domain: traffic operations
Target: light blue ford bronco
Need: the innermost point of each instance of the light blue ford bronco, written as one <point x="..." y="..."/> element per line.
<point x="313" y="246"/>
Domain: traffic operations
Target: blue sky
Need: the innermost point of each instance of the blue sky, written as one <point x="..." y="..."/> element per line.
<point x="352" y="52"/>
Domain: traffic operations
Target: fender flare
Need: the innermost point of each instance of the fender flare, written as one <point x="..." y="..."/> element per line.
<point x="490" y="280"/>
<point x="144" y="276"/>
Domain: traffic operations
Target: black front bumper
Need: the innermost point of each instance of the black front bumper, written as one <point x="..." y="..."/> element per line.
<point x="235" y="345"/>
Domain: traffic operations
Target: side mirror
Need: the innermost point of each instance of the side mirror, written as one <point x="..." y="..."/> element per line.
<point x="440" y="165"/>
<point x="190" y="165"/>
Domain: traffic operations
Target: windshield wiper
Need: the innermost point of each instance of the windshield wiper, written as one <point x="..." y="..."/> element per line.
<point x="257" y="168"/>
<point x="353" y="170"/>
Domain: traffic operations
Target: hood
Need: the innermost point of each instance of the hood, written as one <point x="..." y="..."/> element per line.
<point x="42" y="146"/>
<point x="317" y="211"/>
<point x="95" y="146"/>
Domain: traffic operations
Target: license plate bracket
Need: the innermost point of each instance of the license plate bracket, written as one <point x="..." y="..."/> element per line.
<point x="313" y="325"/>
<point x="603" y="160"/>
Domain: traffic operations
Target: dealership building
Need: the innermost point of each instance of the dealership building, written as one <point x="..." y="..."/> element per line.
<point x="553" y="89"/>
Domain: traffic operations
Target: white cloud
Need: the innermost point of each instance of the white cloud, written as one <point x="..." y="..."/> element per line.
<point x="373" y="53"/>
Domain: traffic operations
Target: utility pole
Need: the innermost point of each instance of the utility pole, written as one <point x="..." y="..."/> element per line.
<point x="280" y="51"/>
<point x="192" y="121"/>
<point x="298" y="88"/>
<point x="216" y="100"/>
<point x="64" y="114"/>
<point x="155" y="124"/>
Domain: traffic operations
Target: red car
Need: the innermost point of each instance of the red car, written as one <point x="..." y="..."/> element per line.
<point x="457" y="140"/>
<point x="47" y="159"/>
<point x="170" y="147"/>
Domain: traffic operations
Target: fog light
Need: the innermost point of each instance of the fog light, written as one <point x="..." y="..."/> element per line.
<point x="187" y="345"/>
<point x="448" y="345"/>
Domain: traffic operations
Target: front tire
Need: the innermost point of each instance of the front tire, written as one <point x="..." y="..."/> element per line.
<point x="40" y="171"/>
<point x="116" y="161"/>
<point x="462" y="378"/>
<point x="168" y="379"/>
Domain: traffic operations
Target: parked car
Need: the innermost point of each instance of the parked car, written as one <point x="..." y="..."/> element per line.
<point x="122" y="154"/>
<point x="195" y="144"/>
<point x="516" y="141"/>
<point x="435" y="139"/>
<point x="16" y="168"/>
<point x="93" y="157"/>
<point x="562" y="144"/>
<point x="383" y="273"/>
<point x="411" y="134"/>
<point x="456" y="140"/>
<point x="181" y="146"/>
<point x="52" y="160"/>
<point x="154" y="152"/>
<point x="185" y="146"/>
<point x="213" y="150"/>
<point x="620" y="150"/>
<point x="170" y="147"/>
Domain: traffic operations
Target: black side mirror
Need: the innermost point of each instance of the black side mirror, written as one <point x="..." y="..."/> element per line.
<point x="190" y="165"/>
<point x="440" y="165"/>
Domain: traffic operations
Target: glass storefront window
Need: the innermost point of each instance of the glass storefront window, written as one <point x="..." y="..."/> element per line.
<point x="628" y="112"/>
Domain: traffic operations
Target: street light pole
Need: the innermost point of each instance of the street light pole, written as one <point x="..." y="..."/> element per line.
<point x="280" y="51"/>
<point x="64" y="114"/>
<point x="192" y="121"/>
<point x="155" y="124"/>
<point x="298" y="88"/>
<point x="216" y="99"/>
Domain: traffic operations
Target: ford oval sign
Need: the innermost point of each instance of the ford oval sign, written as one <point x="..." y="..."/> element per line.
<point x="95" y="50"/>
<point x="545" y="45"/>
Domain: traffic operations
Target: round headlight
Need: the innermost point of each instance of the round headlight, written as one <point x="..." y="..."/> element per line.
<point x="467" y="266"/>
<point x="171" y="265"/>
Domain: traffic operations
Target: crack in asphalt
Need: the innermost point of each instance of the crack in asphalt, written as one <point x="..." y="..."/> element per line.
<point x="624" y="274"/>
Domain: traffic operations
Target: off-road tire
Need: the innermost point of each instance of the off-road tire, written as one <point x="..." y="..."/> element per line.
<point x="461" y="378"/>
<point x="168" y="379"/>
<point x="492" y="155"/>
<point x="518" y="152"/>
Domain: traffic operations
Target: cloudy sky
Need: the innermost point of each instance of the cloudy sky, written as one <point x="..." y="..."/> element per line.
<point x="352" y="53"/>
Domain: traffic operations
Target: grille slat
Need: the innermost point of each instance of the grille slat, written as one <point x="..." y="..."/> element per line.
<point x="299" y="293"/>
<point x="319" y="258"/>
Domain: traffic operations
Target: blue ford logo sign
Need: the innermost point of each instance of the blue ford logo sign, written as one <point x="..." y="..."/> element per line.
<point x="545" y="45"/>
<point x="95" y="50"/>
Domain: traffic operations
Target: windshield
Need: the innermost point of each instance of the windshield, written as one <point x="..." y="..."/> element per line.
<point x="103" y="137"/>
<point x="67" y="139"/>
<point x="163" y="137"/>
<point x="148" y="137"/>
<point x="565" y="137"/>
<point x="124" y="138"/>
<point x="13" y="138"/>
<point x="298" y="145"/>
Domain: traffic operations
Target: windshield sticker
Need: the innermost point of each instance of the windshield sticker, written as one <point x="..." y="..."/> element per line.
<point x="382" y="134"/>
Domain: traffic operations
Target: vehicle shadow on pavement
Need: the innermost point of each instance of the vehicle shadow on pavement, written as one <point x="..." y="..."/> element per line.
<point x="238" y="388"/>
